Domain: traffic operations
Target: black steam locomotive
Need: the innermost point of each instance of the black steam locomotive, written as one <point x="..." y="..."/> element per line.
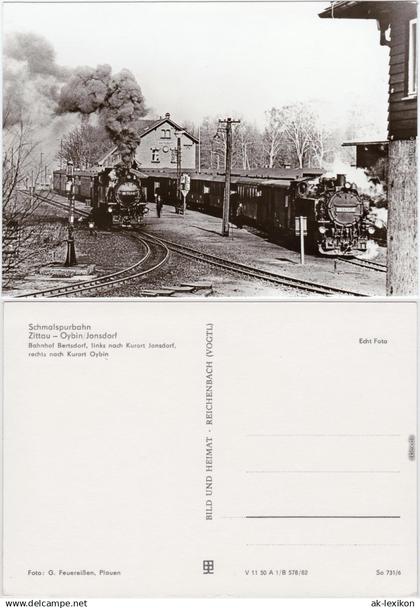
<point x="117" y="195"/>
<point x="340" y="216"/>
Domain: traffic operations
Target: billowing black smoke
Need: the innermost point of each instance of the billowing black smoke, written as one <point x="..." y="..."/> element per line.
<point x="38" y="91"/>
<point x="31" y="79"/>
<point x="116" y="99"/>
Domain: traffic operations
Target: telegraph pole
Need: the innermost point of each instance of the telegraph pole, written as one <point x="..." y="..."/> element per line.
<point x="199" y="149"/>
<point x="228" y="122"/>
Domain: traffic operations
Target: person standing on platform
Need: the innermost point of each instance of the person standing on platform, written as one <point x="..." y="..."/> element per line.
<point x="159" y="203"/>
<point x="239" y="215"/>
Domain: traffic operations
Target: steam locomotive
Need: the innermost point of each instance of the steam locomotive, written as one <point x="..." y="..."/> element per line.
<point x="341" y="217"/>
<point x="117" y="195"/>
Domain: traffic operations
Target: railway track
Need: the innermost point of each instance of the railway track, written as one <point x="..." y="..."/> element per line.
<point x="134" y="271"/>
<point x="60" y="205"/>
<point x="158" y="254"/>
<point x="131" y="273"/>
<point x="365" y="264"/>
<point x="251" y="271"/>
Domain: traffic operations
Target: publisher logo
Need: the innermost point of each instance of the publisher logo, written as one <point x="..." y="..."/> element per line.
<point x="208" y="566"/>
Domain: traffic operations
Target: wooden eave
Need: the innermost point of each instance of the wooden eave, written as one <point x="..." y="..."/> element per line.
<point x="365" y="9"/>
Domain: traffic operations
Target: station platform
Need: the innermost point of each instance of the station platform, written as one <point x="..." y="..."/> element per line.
<point x="249" y="246"/>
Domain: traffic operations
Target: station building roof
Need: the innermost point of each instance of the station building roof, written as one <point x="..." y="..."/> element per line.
<point x="276" y="173"/>
<point x="366" y="143"/>
<point x="146" y="126"/>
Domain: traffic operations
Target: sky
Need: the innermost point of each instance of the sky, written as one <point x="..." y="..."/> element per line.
<point x="216" y="59"/>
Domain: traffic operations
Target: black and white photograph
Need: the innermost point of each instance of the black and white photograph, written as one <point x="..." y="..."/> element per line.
<point x="199" y="149"/>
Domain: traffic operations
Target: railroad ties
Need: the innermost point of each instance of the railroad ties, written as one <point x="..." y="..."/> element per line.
<point x="365" y="264"/>
<point x="271" y="277"/>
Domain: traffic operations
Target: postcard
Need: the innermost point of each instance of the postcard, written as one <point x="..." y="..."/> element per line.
<point x="209" y="449"/>
<point x="222" y="149"/>
<point x="210" y="292"/>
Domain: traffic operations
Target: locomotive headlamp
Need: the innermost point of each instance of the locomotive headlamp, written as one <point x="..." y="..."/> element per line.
<point x="371" y="229"/>
<point x="347" y="185"/>
<point x="322" y="229"/>
<point x="110" y="209"/>
<point x="91" y="225"/>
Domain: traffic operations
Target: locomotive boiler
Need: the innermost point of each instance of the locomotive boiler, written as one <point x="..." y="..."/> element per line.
<point x="117" y="195"/>
<point x="342" y="222"/>
<point x="126" y="201"/>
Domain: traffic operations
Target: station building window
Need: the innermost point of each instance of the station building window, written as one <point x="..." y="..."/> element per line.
<point x="155" y="155"/>
<point x="166" y="134"/>
<point x="412" y="57"/>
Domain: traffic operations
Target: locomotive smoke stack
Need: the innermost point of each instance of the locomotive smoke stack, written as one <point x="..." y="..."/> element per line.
<point x="127" y="158"/>
<point x="341" y="179"/>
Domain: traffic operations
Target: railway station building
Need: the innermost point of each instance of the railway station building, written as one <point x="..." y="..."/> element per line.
<point x="158" y="146"/>
<point x="396" y="30"/>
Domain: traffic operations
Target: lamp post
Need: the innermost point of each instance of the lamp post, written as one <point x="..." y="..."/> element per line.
<point x="178" y="165"/>
<point x="71" y="253"/>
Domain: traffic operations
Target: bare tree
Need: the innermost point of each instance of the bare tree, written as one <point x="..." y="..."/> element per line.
<point x="212" y="143"/>
<point x="321" y="142"/>
<point x="17" y="164"/>
<point x="247" y="146"/>
<point x="10" y="113"/>
<point x="84" y="146"/>
<point x="218" y="148"/>
<point x="293" y="135"/>
<point x="190" y="127"/>
<point x="273" y="138"/>
<point x="24" y="231"/>
<point x="298" y="129"/>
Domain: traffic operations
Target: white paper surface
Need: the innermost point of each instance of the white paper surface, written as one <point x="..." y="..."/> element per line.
<point x="291" y="476"/>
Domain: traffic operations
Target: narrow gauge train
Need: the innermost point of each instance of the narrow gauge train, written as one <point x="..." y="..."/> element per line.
<point x="338" y="221"/>
<point x="117" y="195"/>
